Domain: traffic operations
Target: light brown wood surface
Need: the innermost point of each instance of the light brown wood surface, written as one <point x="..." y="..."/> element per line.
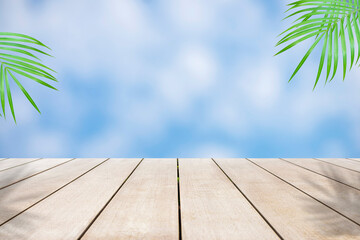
<point x="67" y="213"/>
<point x="17" y="174"/>
<point x="340" y="197"/>
<point x="145" y="207"/>
<point x="212" y="208"/>
<point x="18" y="197"/>
<point x="13" y="162"/>
<point x="355" y="159"/>
<point x="343" y="175"/>
<point x="56" y="199"/>
<point x="342" y="162"/>
<point x="286" y="208"/>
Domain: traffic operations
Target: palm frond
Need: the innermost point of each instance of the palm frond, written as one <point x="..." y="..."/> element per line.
<point x="17" y="57"/>
<point x="332" y="22"/>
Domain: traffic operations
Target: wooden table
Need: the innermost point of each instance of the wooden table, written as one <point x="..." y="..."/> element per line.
<point x="179" y="198"/>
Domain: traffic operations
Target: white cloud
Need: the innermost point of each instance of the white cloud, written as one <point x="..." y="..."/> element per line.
<point x="192" y="16"/>
<point x="189" y="76"/>
<point x="333" y="148"/>
<point x="213" y="150"/>
<point x="165" y="65"/>
<point x="47" y="144"/>
<point x="107" y="144"/>
<point x="227" y="115"/>
<point x="199" y="64"/>
<point x="261" y="84"/>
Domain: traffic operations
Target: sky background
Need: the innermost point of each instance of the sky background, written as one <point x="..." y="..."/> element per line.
<point x="179" y="78"/>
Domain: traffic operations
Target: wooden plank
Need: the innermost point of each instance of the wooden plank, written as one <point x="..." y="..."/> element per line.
<point x="285" y="207"/>
<point x="342" y="175"/>
<point x="13" y="162"/>
<point x="344" y="199"/>
<point x="212" y="207"/>
<point x="67" y="213"/>
<point x="146" y="207"/>
<point x="17" y="174"/>
<point x="355" y="159"/>
<point x="342" y="162"/>
<point x="18" y="197"/>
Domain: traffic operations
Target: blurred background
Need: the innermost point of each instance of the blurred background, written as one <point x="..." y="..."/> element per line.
<point x="179" y="78"/>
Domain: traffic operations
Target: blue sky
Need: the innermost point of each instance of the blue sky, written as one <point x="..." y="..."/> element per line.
<point x="180" y="78"/>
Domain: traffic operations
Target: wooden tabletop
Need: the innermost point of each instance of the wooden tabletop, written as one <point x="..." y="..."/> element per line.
<point x="94" y="198"/>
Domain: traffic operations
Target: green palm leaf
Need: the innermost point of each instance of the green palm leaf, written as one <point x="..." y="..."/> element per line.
<point x="17" y="57"/>
<point x="334" y="23"/>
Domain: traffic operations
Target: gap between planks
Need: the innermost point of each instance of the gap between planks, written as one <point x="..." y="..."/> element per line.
<point x="108" y="202"/>
<point x="74" y="214"/>
<point x="144" y="208"/>
<point x="338" y="178"/>
<point x="303" y="191"/>
<point x="284" y="206"/>
<point x="207" y="194"/>
<point x="179" y="191"/>
<point x="251" y="203"/>
<point x="21" y="164"/>
<point x="179" y="198"/>
<point x="36" y="181"/>
<point x="9" y="180"/>
<point x="339" y="162"/>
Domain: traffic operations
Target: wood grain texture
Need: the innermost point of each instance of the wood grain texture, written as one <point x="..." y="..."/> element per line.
<point x="13" y="162"/>
<point x="212" y="208"/>
<point x="64" y="201"/>
<point x="22" y="172"/>
<point x="342" y="162"/>
<point x="334" y="172"/>
<point x="341" y="198"/>
<point x="18" y="197"/>
<point x="145" y="207"/>
<point x="285" y="207"/>
<point x="67" y="213"/>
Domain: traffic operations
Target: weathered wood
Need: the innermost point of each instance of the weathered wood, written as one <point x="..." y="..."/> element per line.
<point x="53" y="200"/>
<point x="17" y="174"/>
<point x="145" y="207"/>
<point x="342" y="162"/>
<point x="13" y="162"/>
<point x="67" y="213"/>
<point x="18" y="197"/>
<point x="212" y="208"/>
<point x="285" y="207"/>
<point x="344" y="199"/>
<point x="343" y="175"/>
